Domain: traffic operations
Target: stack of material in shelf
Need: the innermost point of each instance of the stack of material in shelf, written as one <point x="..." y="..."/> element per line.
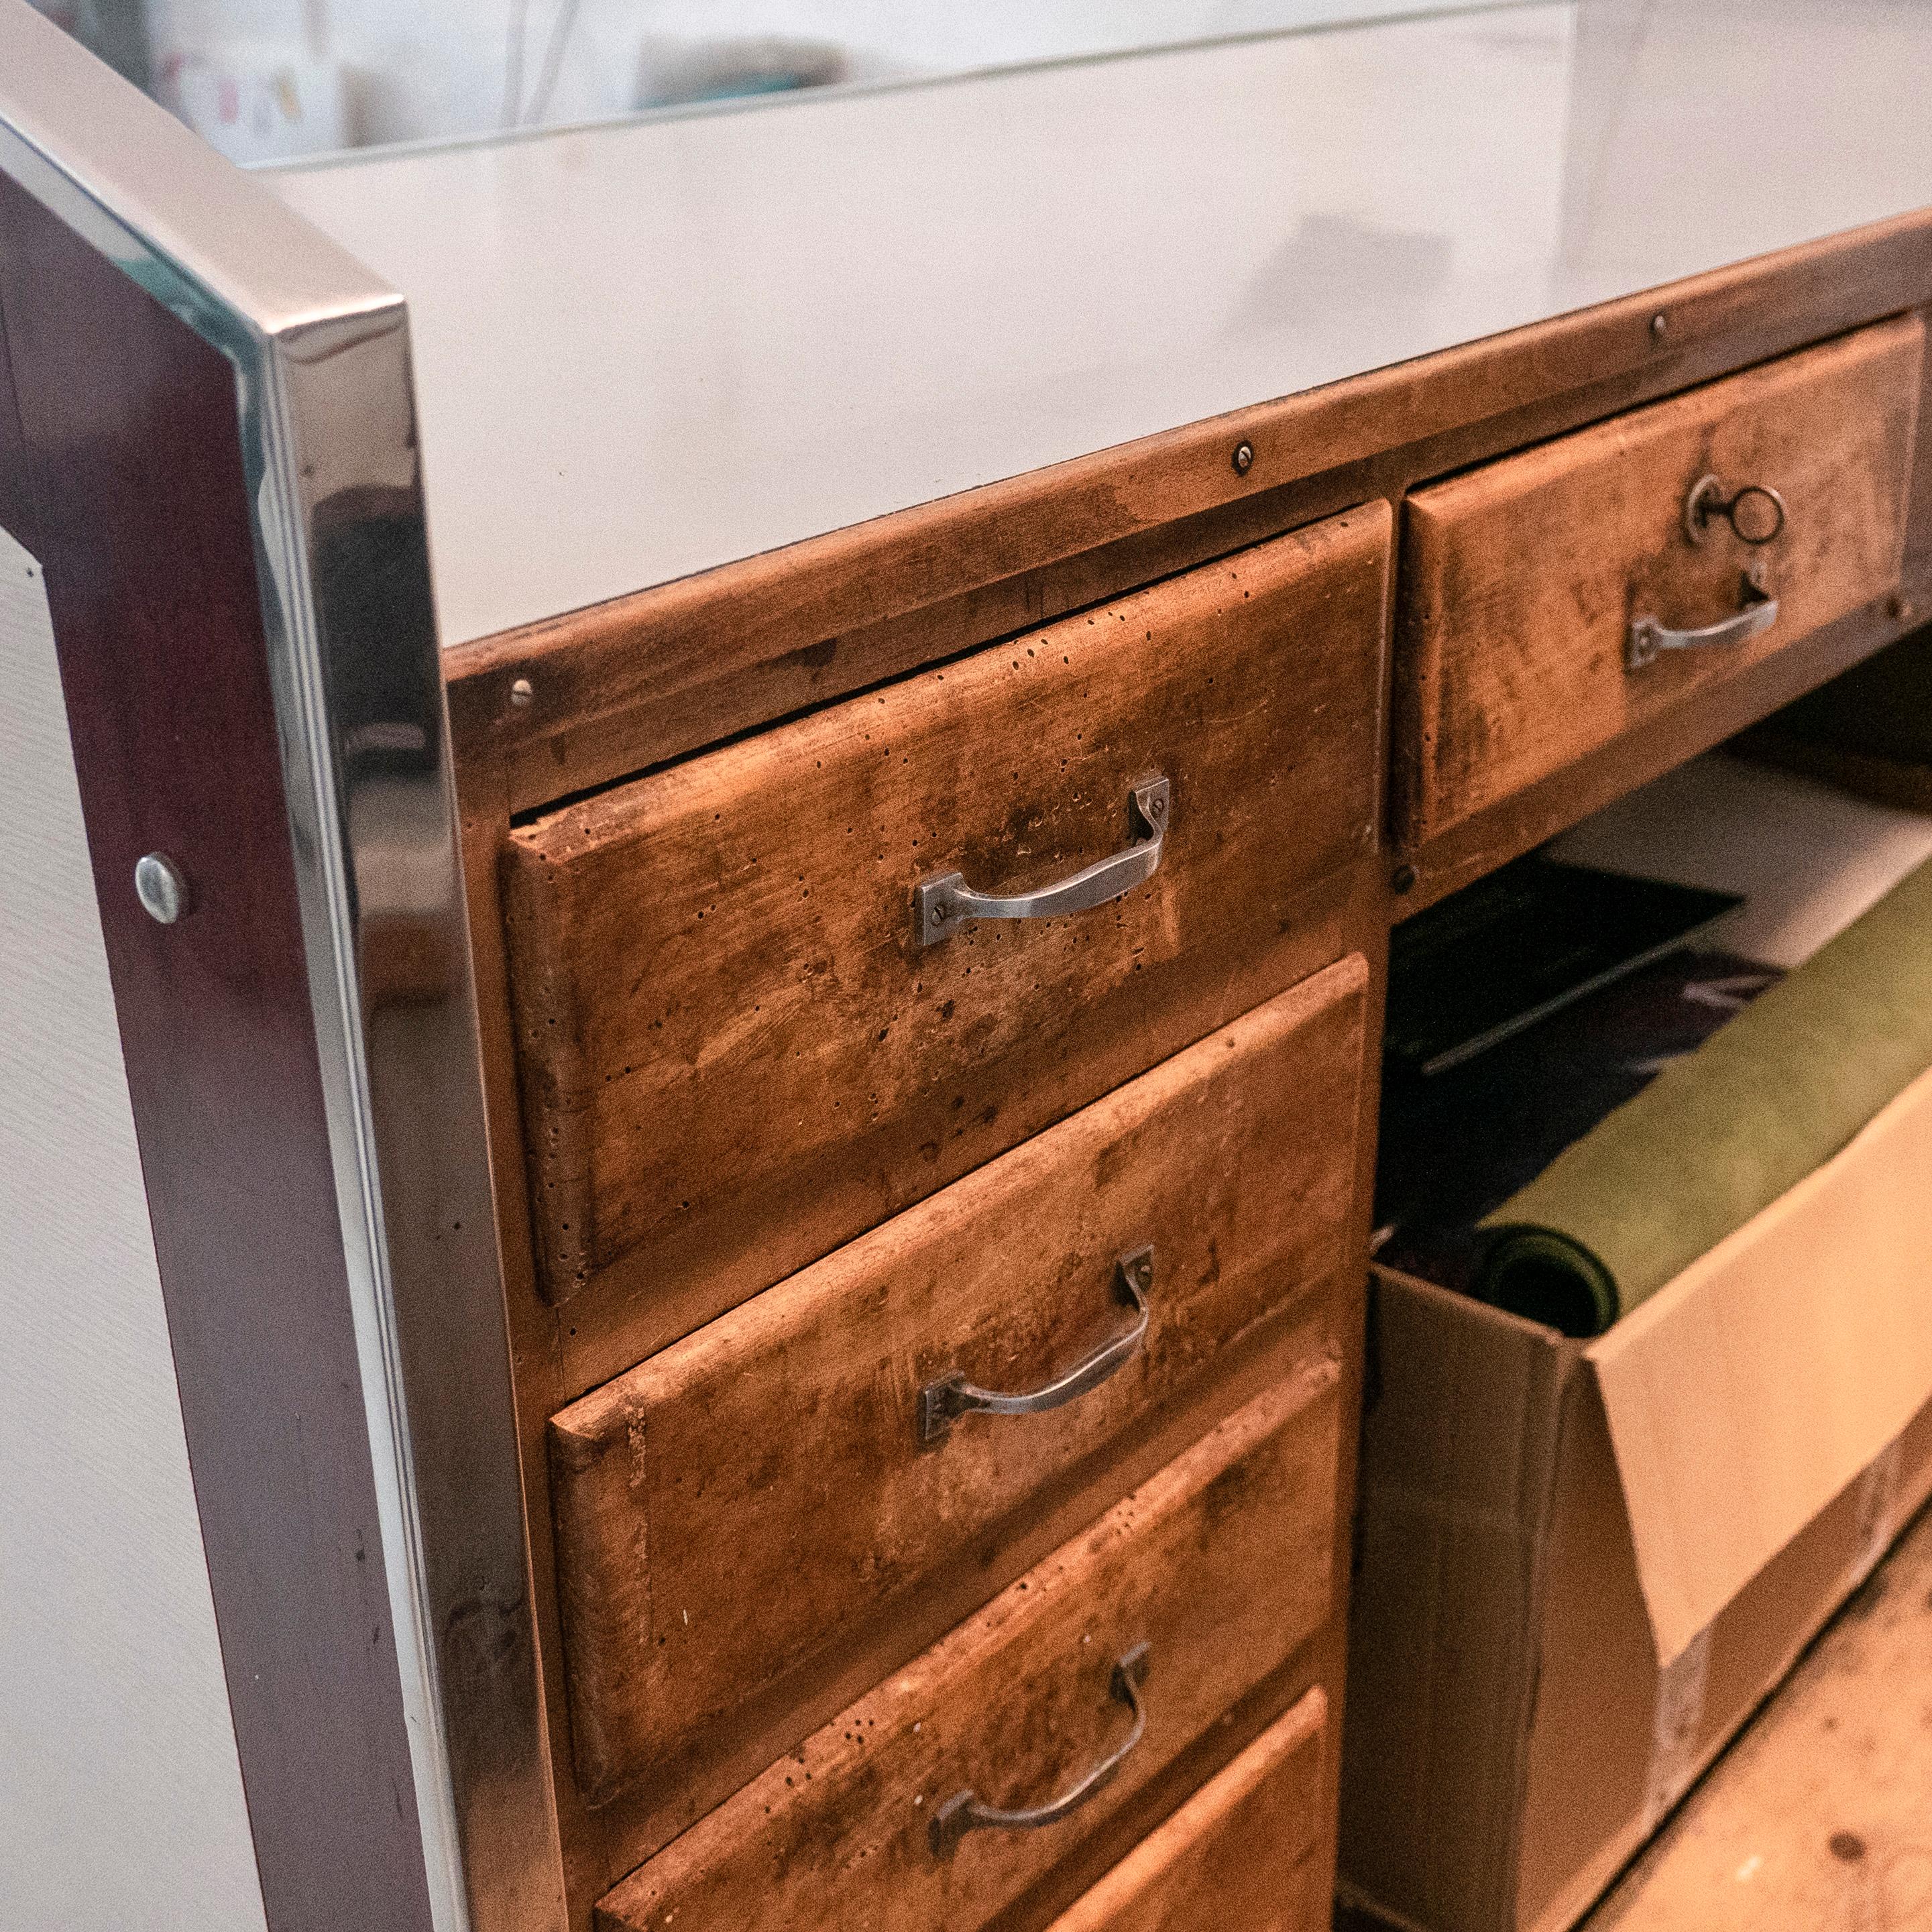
<point x="1584" y="1558"/>
<point x="1570" y="1169"/>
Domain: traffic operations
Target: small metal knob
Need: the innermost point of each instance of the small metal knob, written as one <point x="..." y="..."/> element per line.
<point x="162" y="887"/>
<point x="1755" y="512"/>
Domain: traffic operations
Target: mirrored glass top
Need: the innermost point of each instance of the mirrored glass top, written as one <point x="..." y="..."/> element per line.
<point x="647" y="348"/>
<point x="270" y="80"/>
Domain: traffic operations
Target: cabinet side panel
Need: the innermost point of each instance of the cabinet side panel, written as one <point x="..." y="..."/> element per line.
<point x="111" y="1697"/>
<point x="124" y="445"/>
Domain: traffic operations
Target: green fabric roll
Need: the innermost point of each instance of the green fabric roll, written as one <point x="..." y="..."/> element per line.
<point x="1719" y="1135"/>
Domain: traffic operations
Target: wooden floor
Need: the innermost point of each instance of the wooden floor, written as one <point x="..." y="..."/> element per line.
<point x="1819" y="1818"/>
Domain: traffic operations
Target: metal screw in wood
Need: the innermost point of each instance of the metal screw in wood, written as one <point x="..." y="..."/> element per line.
<point x="162" y="887"/>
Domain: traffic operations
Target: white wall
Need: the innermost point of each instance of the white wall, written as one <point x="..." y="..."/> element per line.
<point x="121" y="1801"/>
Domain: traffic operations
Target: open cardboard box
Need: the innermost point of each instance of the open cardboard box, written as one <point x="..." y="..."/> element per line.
<point x="1583" y="1565"/>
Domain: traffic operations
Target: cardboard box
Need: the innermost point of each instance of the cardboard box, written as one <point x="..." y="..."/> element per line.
<point x="1583" y="1565"/>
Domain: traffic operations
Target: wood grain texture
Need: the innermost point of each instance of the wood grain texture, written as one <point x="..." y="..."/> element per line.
<point x="1219" y="1563"/>
<point x="589" y="1863"/>
<point x="603" y="1844"/>
<point x="645" y="1815"/>
<point x="1520" y="580"/>
<point x="1243" y="1855"/>
<point x="1553" y="804"/>
<point x="630" y="683"/>
<point x="128" y="458"/>
<point x="734" y="1054"/>
<point x="759" y="1492"/>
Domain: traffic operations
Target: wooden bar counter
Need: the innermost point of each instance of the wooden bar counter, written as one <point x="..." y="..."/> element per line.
<point x="967" y="614"/>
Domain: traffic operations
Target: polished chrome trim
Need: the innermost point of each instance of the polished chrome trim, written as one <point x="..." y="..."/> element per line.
<point x="320" y="349"/>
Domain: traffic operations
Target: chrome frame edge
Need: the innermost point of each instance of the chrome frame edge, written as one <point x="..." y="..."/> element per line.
<point x="325" y="401"/>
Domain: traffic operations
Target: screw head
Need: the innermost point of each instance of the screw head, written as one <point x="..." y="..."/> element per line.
<point x="1403" y="878"/>
<point x="1243" y="458"/>
<point x="1660" y="326"/>
<point x="522" y="691"/>
<point x="162" y="887"/>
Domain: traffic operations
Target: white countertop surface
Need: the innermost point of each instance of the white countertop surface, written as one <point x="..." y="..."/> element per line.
<point x="646" y="349"/>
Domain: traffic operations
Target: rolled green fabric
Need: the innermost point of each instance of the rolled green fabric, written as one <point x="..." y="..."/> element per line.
<point x="1719" y="1135"/>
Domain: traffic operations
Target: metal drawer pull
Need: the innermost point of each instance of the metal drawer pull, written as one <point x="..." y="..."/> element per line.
<point x="1650" y="636"/>
<point x="952" y="1395"/>
<point x="945" y="901"/>
<point x="962" y="1813"/>
<point x="1763" y="508"/>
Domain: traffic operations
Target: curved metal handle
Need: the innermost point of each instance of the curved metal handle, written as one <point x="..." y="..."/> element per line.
<point x="1650" y="636"/>
<point x="952" y="1395"/>
<point x="963" y="1813"/>
<point x="945" y="902"/>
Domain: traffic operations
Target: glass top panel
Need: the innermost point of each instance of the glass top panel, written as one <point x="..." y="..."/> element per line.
<point x="269" y="80"/>
<point x="645" y="350"/>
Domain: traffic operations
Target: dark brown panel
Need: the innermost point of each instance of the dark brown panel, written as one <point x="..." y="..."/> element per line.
<point x="17" y="514"/>
<point x="129" y="453"/>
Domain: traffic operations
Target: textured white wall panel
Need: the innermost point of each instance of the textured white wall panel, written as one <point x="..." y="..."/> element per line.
<point x="121" y="1800"/>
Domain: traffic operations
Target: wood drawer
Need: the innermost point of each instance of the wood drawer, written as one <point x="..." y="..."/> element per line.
<point x="1220" y="1565"/>
<point x="1244" y="1854"/>
<point x="764" y="1491"/>
<point x="1522" y="581"/>
<point x="736" y="1054"/>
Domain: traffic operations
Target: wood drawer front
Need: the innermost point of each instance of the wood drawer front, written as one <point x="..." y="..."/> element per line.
<point x="735" y="1055"/>
<point x="757" y="1495"/>
<point x="1520" y="580"/>
<point x="1220" y="1563"/>
<point x="1243" y="1855"/>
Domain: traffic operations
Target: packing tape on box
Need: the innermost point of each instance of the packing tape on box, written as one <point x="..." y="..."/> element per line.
<point x="1878" y="1507"/>
<point x="1677" y="1724"/>
<point x="1675" y="1730"/>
